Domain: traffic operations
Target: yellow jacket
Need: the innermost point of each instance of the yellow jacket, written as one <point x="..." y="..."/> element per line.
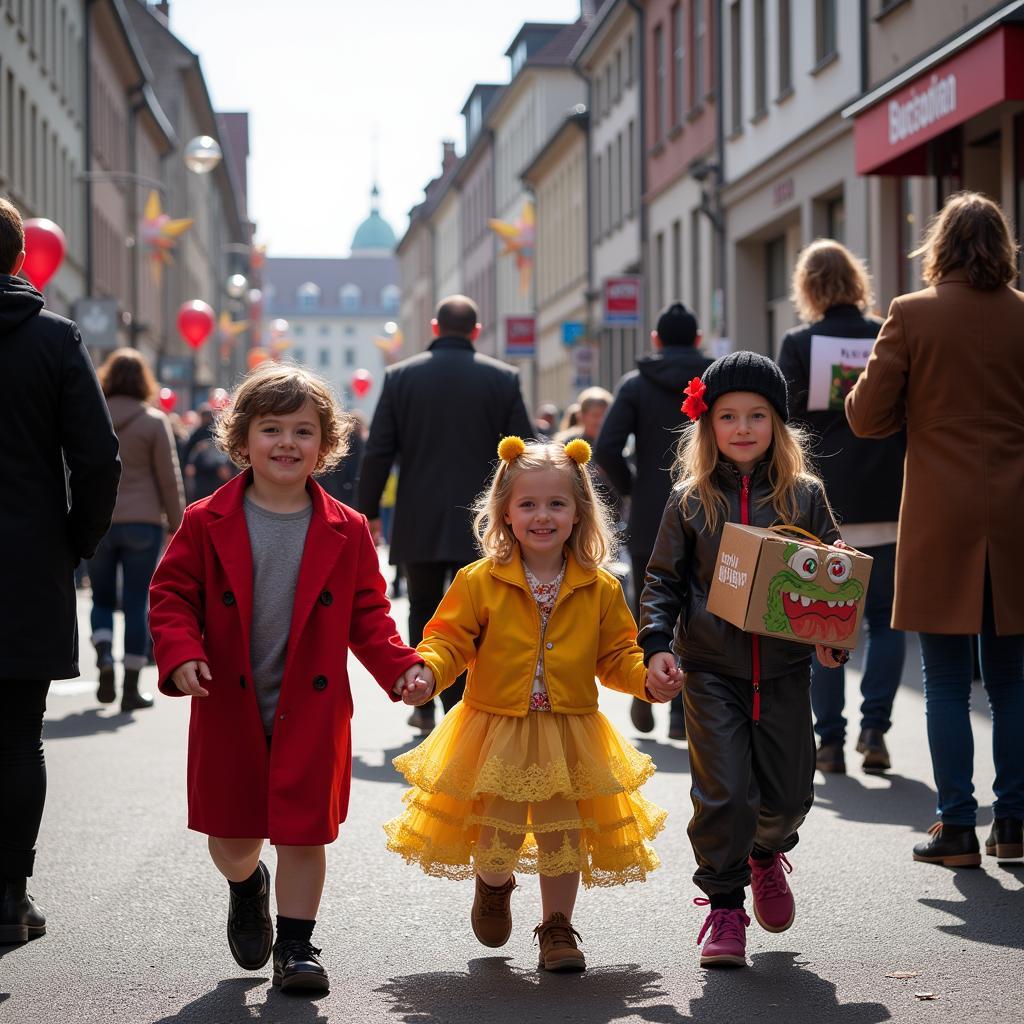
<point x="488" y="622"/>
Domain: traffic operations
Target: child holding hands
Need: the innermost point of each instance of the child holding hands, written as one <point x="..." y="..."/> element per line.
<point x="746" y="698"/>
<point x="262" y="591"/>
<point x="525" y="773"/>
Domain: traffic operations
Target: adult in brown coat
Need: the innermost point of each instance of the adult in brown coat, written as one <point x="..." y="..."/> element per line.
<point x="949" y="364"/>
<point x="150" y="501"/>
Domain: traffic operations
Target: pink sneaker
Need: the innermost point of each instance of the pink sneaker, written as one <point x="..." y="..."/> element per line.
<point x="727" y="945"/>
<point x="774" y="906"/>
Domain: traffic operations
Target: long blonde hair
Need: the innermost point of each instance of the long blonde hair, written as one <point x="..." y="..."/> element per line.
<point x="828" y="274"/>
<point x="695" y="468"/>
<point x="591" y="537"/>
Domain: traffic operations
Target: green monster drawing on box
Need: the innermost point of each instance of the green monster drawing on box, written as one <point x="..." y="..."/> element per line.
<point x="798" y="604"/>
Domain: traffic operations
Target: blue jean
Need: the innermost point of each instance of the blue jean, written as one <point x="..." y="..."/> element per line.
<point x="883" y="661"/>
<point x="947" y="666"/>
<point x="135" y="547"/>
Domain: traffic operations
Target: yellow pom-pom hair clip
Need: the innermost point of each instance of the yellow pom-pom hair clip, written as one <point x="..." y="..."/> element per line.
<point x="510" y="448"/>
<point x="579" y="451"/>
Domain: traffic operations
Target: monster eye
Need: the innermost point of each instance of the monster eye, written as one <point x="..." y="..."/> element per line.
<point x="804" y="562"/>
<point x="839" y="568"/>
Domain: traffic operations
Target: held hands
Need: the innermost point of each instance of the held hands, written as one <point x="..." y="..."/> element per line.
<point x="186" y="678"/>
<point x="416" y="685"/>
<point x="664" y="679"/>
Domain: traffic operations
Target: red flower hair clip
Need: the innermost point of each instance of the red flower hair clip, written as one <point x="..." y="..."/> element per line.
<point x="694" y="406"/>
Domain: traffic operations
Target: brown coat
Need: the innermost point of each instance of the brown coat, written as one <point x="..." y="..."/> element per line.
<point x="151" y="490"/>
<point x="949" y="362"/>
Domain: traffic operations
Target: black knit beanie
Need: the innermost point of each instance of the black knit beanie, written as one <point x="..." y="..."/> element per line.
<point x="747" y="371"/>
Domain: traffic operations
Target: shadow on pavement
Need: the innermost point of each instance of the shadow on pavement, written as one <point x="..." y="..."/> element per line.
<point x="987" y="913"/>
<point x="492" y="990"/>
<point x="904" y="802"/>
<point x="84" y="723"/>
<point x="226" y="1004"/>
<point x="667" y="756"/>
<point x="385" y="771"/>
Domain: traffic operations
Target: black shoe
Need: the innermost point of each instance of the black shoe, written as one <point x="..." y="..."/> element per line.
<point x="831" y="759"/>
<point x="105" y="666"/>
<point x="641" y="714"/>
<point x="1006" y="840"/>
<point x="871" y="744"/>
<point x="422" y="718"/>
<point x="297" y="967"/>
<point x="676" y="725"/>
<point x="20" y="918"/>
<point x="952" y="849"/>
<point x="131" y="699"/>
<point x="250" y="931"/>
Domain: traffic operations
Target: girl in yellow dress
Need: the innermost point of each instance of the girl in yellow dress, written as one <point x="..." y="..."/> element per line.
<point x="525" y="773"/>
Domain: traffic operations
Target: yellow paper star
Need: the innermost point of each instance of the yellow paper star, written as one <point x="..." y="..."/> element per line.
<point x="519" y="240"/>
<point x="160" y="233"/>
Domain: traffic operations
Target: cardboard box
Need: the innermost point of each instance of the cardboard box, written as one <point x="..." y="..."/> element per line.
<point x="783" y="585"/>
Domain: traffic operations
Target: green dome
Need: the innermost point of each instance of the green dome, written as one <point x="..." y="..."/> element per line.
<point x="375" y="232"/>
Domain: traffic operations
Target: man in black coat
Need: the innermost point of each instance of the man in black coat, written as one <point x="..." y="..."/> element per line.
<point x="60" y="469"/>
<point x="440" y="415"/>
<point x="647" y="406"/>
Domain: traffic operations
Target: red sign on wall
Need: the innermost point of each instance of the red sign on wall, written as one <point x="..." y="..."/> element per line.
<point x="520" y="336"/>
<point x="622" y="301"/>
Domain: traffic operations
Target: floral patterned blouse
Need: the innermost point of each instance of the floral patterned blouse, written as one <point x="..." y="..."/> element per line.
<point x="545" y="594"/>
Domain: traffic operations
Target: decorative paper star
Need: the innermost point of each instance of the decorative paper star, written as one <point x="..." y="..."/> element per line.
<point x="390" y="345"/>
<point x="519" y="239"/>
<point x="160" y="234"/>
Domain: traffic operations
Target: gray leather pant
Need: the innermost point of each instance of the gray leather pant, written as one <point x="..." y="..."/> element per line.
<point x="752" y="783"/>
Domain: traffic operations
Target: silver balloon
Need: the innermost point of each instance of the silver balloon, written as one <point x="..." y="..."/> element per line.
<point x="237" y="285"/>
<point x="202" y="154"/>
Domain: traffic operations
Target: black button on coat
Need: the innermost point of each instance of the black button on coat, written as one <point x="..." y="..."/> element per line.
<point x="320" y="683"/>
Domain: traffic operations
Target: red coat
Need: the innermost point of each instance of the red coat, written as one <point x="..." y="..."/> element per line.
<point x="201" y="609"/>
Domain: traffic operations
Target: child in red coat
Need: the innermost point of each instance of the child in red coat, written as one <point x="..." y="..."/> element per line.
<point x="269" y="737"/>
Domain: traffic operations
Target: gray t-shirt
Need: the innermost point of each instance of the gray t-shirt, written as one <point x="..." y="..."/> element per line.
<point x="277" y="540"/>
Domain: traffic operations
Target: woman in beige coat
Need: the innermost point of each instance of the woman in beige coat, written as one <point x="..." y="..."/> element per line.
<point x="949" y="363"/>
<point x="150" y="500"/>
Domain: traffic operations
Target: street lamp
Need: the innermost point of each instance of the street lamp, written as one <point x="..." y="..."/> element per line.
<point x="202" y="154"/>
<point x="236" y="286"/>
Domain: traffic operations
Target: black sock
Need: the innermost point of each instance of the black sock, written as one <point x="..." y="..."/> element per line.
<point x="294" y="928"/>
<point x="727" y="900"/>
<point x="252" y="886"/>
<point x="759" y="853"/>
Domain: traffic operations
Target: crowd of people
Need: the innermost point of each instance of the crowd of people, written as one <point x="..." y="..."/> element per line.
<point x="504" y="528"/>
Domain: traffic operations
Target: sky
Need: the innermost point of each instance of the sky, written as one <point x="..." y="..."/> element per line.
<point x="323" y="82"/>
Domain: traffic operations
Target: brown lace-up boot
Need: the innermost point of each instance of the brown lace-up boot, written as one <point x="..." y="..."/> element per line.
<point x="558" y="949"/>
<point x="491" y="916"/>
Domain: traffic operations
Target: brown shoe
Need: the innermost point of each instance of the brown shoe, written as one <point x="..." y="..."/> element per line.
<point x="558" y="949"/>
<point x="876" y="754"/>
<point x="491" y="916"/>
<point x="830" y="759"/>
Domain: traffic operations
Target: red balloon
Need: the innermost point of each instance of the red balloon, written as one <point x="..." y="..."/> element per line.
<point x="195" y="322"/>
<point x="362" y="381"/>
<point x="168" y="399"/>
<point x="45" y="245"/>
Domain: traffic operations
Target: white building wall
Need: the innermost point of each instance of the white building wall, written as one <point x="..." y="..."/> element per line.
<point x="448" y="246"/>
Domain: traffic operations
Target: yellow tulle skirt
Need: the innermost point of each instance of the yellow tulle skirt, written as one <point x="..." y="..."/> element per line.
<point x="544" y="794"/>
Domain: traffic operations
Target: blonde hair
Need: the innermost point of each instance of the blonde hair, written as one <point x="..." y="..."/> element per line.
<point x="828" y="274"/>
<point x="277" y="389"/>
<point x="969" y="233"/>
<point x="591" y="537"/>
<point x="696" y="464"/>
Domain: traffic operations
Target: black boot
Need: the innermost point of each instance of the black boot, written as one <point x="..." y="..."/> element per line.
<point x="297" y="966"/>
<point x="953" y="846"/>
<point x="250" y="931"/>
<point x="105" y="667"/>
<point x="1006" y="840"/>
<point x="20" y="918"/>
<point x="131" y="699"/>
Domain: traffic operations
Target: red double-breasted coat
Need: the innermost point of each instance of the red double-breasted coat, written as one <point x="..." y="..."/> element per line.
<point x="295" y="793"/>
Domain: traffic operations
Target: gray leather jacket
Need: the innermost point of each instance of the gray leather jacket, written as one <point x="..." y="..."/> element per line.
<point x="673" y="609"/>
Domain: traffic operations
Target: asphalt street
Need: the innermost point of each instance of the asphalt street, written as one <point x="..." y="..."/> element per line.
<point x="136" y="912"/>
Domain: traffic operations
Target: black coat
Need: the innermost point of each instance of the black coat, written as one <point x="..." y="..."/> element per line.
<point x="647" y="405"/>
<point x="863" y="478"/>
<point x="60" y="469"/>
<point x="440" y="415"/>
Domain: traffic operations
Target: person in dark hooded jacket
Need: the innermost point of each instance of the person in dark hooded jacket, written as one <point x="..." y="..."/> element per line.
<point x="647" y="405"/>
<point x="60" y="470"/>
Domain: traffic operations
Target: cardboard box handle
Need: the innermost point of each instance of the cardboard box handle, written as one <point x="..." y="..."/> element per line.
<point x="800" y="531"/>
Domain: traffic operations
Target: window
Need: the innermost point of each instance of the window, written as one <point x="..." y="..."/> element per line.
<point x="620" y="184"/>
<point x="660" y="94"/>
<point x="299" y="330"/>
<point x="835" y="219"/>
<point x="308" y="296"/>
<point x="677" y="260"/>
<point x="760" y="60"/>
<point x="608" y="186"/>
<point x="736" y="61"/>
<point x="351" y="296"/>
<point x="598" y="223"/>
<point x="325" y="330"/>
<point x="678" y="64"/>
<point x="696" y="260"/>
<point x="630" y="158"/>
<point x="325" y="357"/>
<point x="596" y="112"/>
<point x="390" y="295"/>
<point x="350" y="357"/>
<point x="824" y="29"/>
<point x="659" y="270"/>
<point x="618" y="75"/>
<point x="299" y="355"/>
<point x="785" y="50"/>
<point x="629" y="59"/>
<point x="697" y="61"/>
<point x="518" y="58"/>
<point x="349" y="330"/>
<point x="474" y="119"/>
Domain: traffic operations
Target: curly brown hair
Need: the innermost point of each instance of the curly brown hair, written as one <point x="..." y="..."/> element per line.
<point x="278" y="389"/>
<point x="828" y="274"/>
<point x="970" y="233"/>
<point x="126" y="372"/>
